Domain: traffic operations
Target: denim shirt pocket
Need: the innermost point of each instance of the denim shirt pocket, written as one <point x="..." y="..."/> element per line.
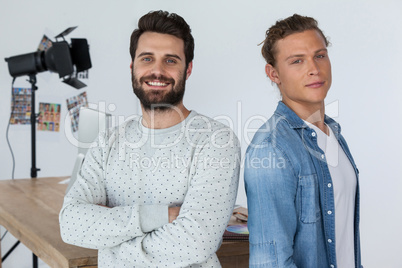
<point x="309" y="199"/>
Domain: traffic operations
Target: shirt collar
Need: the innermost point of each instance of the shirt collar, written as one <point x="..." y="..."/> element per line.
<point x="284" y="111"/>
<point x="296" y="122"/>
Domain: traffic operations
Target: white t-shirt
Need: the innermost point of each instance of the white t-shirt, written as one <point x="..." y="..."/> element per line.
<point x="344" y="185"/>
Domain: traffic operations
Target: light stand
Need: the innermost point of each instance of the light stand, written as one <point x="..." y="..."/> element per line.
<point x="34" y="169"/>
<point x="34" y="116"/>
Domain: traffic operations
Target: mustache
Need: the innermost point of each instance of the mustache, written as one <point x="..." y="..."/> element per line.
<point x="160" y="78"/>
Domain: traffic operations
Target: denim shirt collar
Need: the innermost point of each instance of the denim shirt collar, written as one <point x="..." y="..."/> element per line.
<point x="296" y="122"/>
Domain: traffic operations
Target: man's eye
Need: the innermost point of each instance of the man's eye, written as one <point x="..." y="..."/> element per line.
<point x="321" y="56"/>
<point x="170" y="61"/>
<point x="296" y="61"/>
<point x="146" y="59"/>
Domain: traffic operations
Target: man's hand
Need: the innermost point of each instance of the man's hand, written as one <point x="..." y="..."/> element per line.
<point x="173" y="213"/>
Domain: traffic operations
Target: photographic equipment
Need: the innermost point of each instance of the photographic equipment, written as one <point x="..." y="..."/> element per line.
<point x="60" y="58"/>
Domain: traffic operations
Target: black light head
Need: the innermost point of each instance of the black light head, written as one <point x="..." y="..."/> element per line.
<point x="60" y="58"/>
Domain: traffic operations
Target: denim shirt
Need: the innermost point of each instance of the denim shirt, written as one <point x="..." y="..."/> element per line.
<point x="290" y="195"/>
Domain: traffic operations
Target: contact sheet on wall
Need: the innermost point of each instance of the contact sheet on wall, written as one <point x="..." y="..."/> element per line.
<point x="73" y="105"/>
<point x="21" y="106"/>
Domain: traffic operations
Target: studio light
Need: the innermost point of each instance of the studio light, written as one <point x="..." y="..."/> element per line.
<point x="60" y="58"/>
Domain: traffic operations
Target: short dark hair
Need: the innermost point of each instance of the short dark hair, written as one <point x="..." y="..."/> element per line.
<point x="165" y="23"/>
<point x="284" y="28"/>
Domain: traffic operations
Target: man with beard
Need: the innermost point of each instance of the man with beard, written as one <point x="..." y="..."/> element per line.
<point x="159" y="191"/>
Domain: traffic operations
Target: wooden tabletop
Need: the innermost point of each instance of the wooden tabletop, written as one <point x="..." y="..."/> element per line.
<point x="29" y="210"/>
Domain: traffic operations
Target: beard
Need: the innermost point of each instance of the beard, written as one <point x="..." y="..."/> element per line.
<point x="159" y="100"/>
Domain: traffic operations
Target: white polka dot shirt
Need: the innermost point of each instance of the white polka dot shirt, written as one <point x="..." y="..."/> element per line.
<point x="139" y="173"/>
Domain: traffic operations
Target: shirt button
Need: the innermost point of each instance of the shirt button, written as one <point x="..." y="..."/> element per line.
<point x="329" y="212"/>
<point x="329" y="185"/>
<point x="322" y="156"/>
<point x="332" y="266"/>
<point x="329" y="240"/>
<point x="313" y="134"/>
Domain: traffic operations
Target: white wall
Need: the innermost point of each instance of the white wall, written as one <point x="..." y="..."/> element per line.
<point x="228" y="80"/>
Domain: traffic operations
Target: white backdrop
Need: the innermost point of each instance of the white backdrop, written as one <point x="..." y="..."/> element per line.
<point x="228" y="81"/>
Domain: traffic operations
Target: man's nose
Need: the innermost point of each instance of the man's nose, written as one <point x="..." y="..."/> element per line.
<point x="158" y="69"/>
<point x="313" y="68"/>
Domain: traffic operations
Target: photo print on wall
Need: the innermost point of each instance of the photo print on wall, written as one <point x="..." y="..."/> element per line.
<point x="73" y="105"/>
<point x="49" y="117"/>
<point x="21" y="106"/>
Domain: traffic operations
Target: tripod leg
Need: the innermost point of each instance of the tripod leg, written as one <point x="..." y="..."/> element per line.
<point x="34" y="261"/>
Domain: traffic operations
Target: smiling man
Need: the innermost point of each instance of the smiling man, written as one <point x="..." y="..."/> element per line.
<point x="160" y="189"/>
<point x="305" y="212"/>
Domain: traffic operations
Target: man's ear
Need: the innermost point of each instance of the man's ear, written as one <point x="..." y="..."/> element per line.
<point x="272" y="73"/>
<point x="131" y="65"/>
<point x="189" y="70"/>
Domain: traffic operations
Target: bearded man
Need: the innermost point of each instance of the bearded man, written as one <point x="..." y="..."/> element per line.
<point x="159" y="191"/>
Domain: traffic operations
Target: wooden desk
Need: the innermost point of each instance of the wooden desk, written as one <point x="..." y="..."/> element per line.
<point x="29" y="210"/>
